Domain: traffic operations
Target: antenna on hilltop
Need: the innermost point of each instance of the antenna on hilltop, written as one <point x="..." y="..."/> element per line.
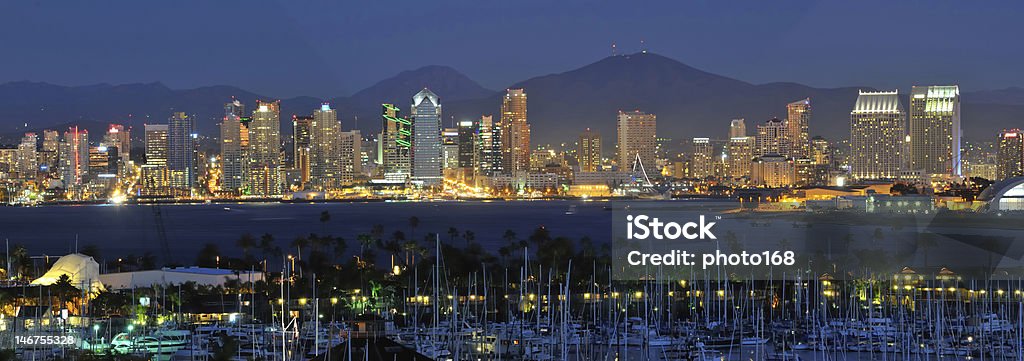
<point x="643" y="46"/>
<point x="614" y="50"/>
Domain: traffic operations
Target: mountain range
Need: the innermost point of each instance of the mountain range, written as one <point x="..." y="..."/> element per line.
<point x="688" y="102"/>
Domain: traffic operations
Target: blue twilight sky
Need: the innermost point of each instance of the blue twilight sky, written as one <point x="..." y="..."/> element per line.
<point x="326" y="48"/>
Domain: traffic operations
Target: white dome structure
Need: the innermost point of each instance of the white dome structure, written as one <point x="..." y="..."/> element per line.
<point x="82" y="271"/>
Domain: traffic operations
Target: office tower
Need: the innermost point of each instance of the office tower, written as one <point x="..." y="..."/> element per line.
<point x="318" y="148"/>
<point x="449" y="148"/>
<point x="27" y="158"/>
<point x="181" y="155"/>
<point x="738" y="128"/>
<point x="156" y="145"/>
<point x="350" y="155"/>
<point x="118" y="136"/>
<point x="877" y="136"/>
<point x="935" y="129"/>
<point x="588" y="151"/>
<point x="797" y="121"/>
<point x="637" y="135"/>
<point x="467" y="140"/>
<point x="395" y="143"/>
<point x="772" y="138"/>
<point x="50" y="153"/>
<point x="232" y="155"/>
<point x="426" y="137"/>
<point x="740" y="152"/>
<point x="264" y="155"/>
<point x="75" y="156"/>
<point x="773" y="171"/>
<point x="515" y="132"/>
<point x="1010" y="158"/>
<point x="702" y="163"/>
<point x="489" y="147"/>
<point x="821" y="151"/>
<point x="301" y="143"/>
<point x="103" y="161"/>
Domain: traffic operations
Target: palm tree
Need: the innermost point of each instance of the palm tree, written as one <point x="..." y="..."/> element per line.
<point x="324" y="217"/>
<point x="299" y="243"/>
<point x="469" y="236"/>
<point x="267" y="245"/>
<point x="246" y="242"/>
<point x="413" y="223"/>
<point x="208" y="256"/>
<point x="452" y="233"/>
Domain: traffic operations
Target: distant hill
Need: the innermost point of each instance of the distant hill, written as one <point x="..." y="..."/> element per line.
<point x="689" y="102"/>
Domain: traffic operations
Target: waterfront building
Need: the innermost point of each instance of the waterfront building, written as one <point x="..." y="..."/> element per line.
<point x="301" y="145"/>
<point x="740" y="152"/>
<point x="515" y="134"/>
<point x="232" y="151"/>
<point x="395" y="145"/>
<point x="797" y="122"/>
<point x="1010" y="160"/>
<point x="701" y="164"/>
<point x="75" y="157"/>
<point x="156" y="144"/>
<point x="181" y="149"/>
<point x="588" y="151"/>
<point x="935" y="130"/>
<point x="637" y="135"/>
<point x="264" y="155"/>
<point x="118" y="136"/>
<point x="50" y="152"/>
<point x="468" y="136"/>
<point x="877" y="136"/>
<point x="426" y="137"/>
<point x="489" y="148"/>
<point x="27" y="162"/>
<point x="737" y="128"/>
<point x="321" y="153"/>
<point x="449" y="149"/>
<point x="350" y="156"/>
<point x="772" y="138"/>
<point x="773" y="171"/>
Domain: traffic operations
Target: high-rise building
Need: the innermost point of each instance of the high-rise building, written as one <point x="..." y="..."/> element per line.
<point x="740" y="152"/>
<point x="232" y="153"/>
<point x="395" y="144"/>
<point x="702" y="164"/>
<point x="321" y="139"/>
<point x="1010" y="160"/>
<point x="773" y="171"/>
<point x="449" y="148"/>
<point x="797" y="138"/>
<point x="637" y="135"/>
<point x="588" y="151"/>
<point x="738" y="128"/>
<point x="118" y="136"/>
<point x="264" y="155"/>
<point x="515" y="132"/>
<point x="935" y="129"/>
<point x="426" y="137"/>
<point x="468" y="137"/>
<point x="50" y="153"/>
<point x="181" y="155"/>
<point x="75" y="156"/>
<point x="301" y="144"/>
<point x="156" y="145"/>
<point x="27" y="158"/>
<point x="821" y="151"/>
<point x="877" y="136"/>
<point x="772" y="138"/>
<point x="350" y="154"/>
<point x="489" y="147"/>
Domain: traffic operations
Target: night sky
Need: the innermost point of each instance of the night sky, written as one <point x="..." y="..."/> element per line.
<point x="329" y="48"/>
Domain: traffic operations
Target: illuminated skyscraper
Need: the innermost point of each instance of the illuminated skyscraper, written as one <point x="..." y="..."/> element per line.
<point x="637" y="135"/>
<point x="702" y="163"/>
<point x="264" y="156"/>
<point x="395" y="143"/>
<point x="737" y="128"/>
<point x="772" y="138"/>
<point x="877" y="136"/>
<point x="75" y="156"/>
<point x="489" y="147"/>
<point x="797" y="121"/>
<point x="118" y="136"/>
<point x="232" y="154"/>
<point x="821" y="151"/>
<point x="322" y="145"/>
<point x="301" y="144"/>
<point x="156" y="145"/>
<point x="181" y="155"/>
<point x="50" y="153"/>
<point x="588" y="151"/>
<point x="935" y="129"/>
<point x="449" y="148"/>
<point x="349" y="155"/>
<point x="773" y="170"/>
<point x="515" y="132"/>
<point x="1010" y="160"/>
<point x="426" y="137"/>
<point x="27" y="158"/>
<point x="467" y="133"/>
<point x="740" y="152"/>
